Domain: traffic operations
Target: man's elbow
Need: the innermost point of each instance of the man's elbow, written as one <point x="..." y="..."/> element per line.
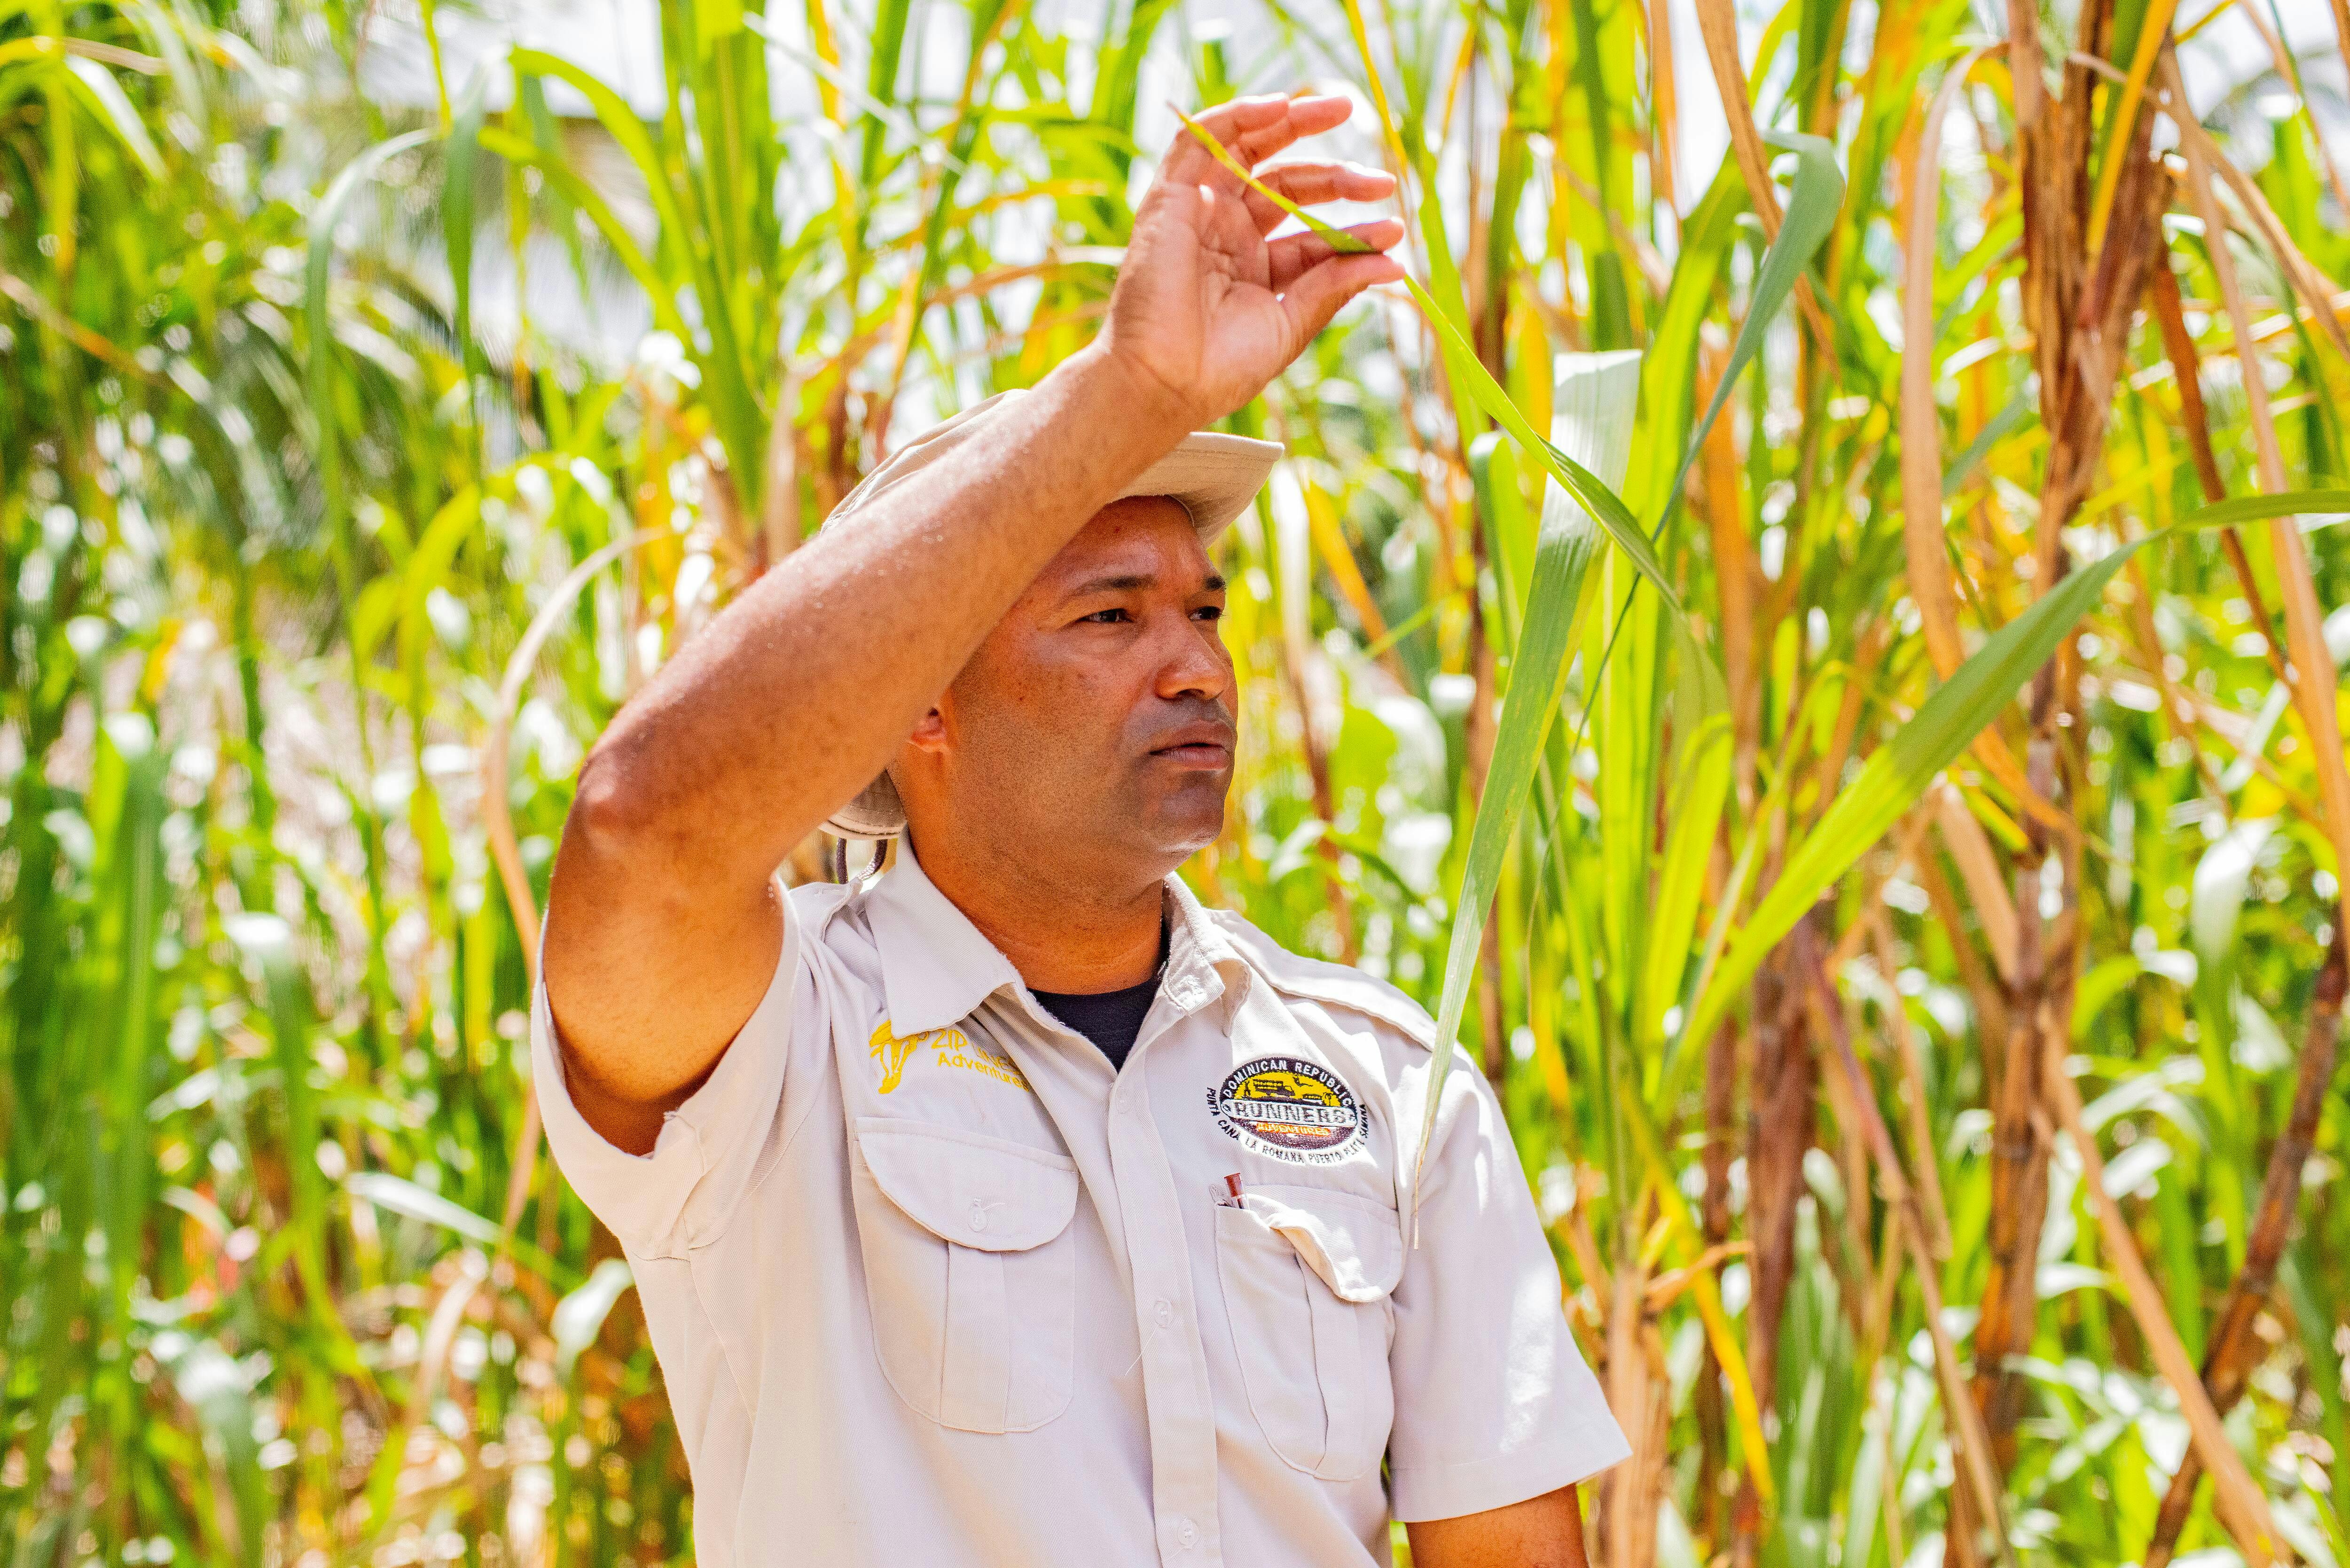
<point x="611" y="838"/>
<point x="646" y="853"/>
<point x="610" y="809"/>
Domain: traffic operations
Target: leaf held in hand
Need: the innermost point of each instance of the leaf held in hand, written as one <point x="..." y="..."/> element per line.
<point x="1339" y="240"/>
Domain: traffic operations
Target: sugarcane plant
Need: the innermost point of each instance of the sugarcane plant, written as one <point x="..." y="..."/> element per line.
<point x="1818" y="673"/>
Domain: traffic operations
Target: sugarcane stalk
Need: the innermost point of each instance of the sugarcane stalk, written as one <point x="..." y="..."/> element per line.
<point x="2235" y="1349"/>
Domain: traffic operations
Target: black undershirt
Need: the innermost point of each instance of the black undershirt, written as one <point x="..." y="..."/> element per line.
<point x="1110" y="1019"/>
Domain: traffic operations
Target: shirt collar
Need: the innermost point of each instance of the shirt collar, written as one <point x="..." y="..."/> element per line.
<point x="937" y="967"/>
<point x="1200" y="957"/>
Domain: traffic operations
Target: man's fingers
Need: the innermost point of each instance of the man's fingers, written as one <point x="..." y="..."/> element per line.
<point x="1308" y="183"/>
<point x="1253" y="129"/>
<point x="1293" y="256"/>
<point x="1273" y="117"/>
<point x="1191" y="163"/>
<point x="1235" y="115"/>
<point x="1314" y="297"/>
<point x="1306" y="117"/>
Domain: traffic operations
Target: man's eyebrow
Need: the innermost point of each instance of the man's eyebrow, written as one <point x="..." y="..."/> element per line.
<point x="1126" y="582"/>
<point x="1121" y="583"/>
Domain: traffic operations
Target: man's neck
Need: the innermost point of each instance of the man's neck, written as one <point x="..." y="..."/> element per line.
<point x="1065" y="930"/>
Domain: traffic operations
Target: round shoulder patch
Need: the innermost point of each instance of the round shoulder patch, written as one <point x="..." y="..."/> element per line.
<point x="1289" y="1108"/>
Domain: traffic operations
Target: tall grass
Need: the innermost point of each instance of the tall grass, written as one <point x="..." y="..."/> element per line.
<point x="1877" y="813"/>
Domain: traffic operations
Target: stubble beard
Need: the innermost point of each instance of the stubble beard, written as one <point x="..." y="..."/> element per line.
<point x="1093" y="824"/>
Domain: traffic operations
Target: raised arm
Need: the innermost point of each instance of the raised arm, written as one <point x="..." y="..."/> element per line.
<point x="662" y="928"/>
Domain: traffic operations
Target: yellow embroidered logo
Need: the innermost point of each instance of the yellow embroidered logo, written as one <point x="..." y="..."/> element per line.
<point x="893" y="1052"/>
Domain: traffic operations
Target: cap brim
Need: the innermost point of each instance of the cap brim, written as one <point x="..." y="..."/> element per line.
<point x="875" y="813"/>
<point x="1212" y="476"/>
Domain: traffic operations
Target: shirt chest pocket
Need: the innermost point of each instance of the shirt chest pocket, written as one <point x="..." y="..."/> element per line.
<point x="970" y="1271"/>
<point x="1307" y="1274"/>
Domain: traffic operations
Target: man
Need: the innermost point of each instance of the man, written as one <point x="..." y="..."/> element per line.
<point x="1013" y="1208"/>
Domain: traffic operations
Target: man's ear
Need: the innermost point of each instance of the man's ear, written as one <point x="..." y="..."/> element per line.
<point x="930" y="734"/>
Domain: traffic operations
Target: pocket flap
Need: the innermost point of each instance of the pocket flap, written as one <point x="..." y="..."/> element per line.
<point x="1353" y="1245"/>
<point x="968" y="1189"/>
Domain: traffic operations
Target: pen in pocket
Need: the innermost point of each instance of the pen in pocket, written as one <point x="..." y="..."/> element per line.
<point x="1230" y="1197"/>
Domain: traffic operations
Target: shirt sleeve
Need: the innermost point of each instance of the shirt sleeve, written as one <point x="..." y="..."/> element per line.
<point x="1494" y="1403"/>
<point x="682" y="1193"/>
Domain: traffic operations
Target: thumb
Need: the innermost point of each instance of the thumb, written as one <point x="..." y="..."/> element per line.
<point x="1317" y="294"/>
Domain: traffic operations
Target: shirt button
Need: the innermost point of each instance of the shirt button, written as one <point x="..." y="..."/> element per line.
<point x="1165" y="1313"/>
<point x="978" y="1215"/>
<point x="1188" y="1533"/>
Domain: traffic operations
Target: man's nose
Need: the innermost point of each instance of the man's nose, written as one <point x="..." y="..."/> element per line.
<point x="1196" y="664"/>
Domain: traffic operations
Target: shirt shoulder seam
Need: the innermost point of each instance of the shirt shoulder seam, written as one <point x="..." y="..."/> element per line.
<point x="1335" y="985"/>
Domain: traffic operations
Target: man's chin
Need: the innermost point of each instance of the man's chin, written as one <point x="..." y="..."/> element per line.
<point x="1183" y="822"/>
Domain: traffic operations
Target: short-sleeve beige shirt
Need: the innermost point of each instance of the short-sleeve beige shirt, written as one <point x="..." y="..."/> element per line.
<point x="930" y="1284"/>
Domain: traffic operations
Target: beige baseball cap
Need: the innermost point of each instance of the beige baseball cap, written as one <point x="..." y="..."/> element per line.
<point x="1210" y="475"/>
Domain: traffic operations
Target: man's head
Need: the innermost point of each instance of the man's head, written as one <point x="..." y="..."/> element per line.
<point x="1091" y="734"/>
<point x="1093" y="730"/>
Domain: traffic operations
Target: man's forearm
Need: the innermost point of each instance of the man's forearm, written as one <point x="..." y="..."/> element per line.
<point x="797" y="695"/>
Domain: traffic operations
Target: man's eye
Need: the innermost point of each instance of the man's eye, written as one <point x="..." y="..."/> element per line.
<point x="1210" y="612"/>
<point x="1109" y="618"/>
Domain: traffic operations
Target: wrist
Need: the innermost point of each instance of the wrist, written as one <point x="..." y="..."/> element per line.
<point x="1145" y="407"/>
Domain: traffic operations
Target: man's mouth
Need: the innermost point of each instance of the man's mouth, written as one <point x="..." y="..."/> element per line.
<point x="1205" y="746"/>
<point x="1197" y="755"/>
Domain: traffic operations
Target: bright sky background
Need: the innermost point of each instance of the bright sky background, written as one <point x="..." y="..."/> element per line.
<point x="619" y="40"/>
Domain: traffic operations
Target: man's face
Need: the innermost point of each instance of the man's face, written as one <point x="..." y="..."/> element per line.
<point x="1097" y="719"/>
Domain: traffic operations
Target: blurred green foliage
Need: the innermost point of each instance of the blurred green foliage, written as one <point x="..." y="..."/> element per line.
<point x="357" y="461"/>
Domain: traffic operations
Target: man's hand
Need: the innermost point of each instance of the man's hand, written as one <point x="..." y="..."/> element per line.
<point x="1206" y="306"/>
<point x="662" y="923"/>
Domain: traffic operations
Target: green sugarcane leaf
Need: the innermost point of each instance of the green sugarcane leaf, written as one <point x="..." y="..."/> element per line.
<point x="2258" y="508"/>
<point x="1898" y="772"/>
<point x="584" y="196"/>
<point x="1668" y="378"/>
<point x="1539" y="674"/>
<point x="325" y="219"/>
<point x="398" y="1195"/>
<point x="620" y="121"/>
<point x="1443" y="272"/>
<point x="1700" y="791"/>
<point x="1597" y="497"/>
<point x="401" y="1196"/>
<point x="1597" y="401"/>
<point x="1812" y="210"/>
<point x="96" y="83"/>
<point x="1812" y="205"/>
<point x="1509" y="535"/>
<point x="459" y="159"/>
<point x="742" y="427"/>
